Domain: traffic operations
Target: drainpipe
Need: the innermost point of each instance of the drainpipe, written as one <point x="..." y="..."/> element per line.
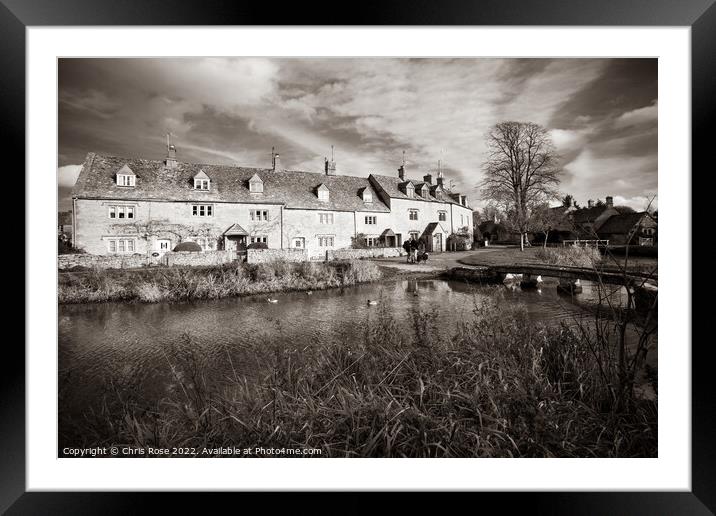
<point x="451" y="223"/>
<point x="74" y="222"/>
<point x="280" y="227"/>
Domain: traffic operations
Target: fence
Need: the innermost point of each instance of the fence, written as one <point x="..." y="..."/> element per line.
<point x="586" y="243"/>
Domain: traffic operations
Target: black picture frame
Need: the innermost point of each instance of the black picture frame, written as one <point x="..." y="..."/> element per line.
<point x="700" y="15"/>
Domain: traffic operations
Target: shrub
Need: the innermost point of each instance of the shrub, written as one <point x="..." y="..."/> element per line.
<point x="188" y="246"/>
<point x="258" y="245"/>
<point x="571" y="256"/>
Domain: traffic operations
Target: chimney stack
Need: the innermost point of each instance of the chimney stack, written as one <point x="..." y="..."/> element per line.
<point x="330" y="168"/>
<point x="276" y="162"/>
<point x="610" y="201"/>
<point x="171" y="161"/>
<point x="428" y="179"/>
<point x="331" y="165"/>
<point x="401" y="170"/>
<point x="590" y="203"/>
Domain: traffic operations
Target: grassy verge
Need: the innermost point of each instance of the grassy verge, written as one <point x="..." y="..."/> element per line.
<point x="570" y="256"/>
<point x="177" y="284"/>
<point x="539" y="256"/>
<point x="496" y="385"/>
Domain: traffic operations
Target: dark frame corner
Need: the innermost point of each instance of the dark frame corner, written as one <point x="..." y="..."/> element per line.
<point x="700" y="15"/>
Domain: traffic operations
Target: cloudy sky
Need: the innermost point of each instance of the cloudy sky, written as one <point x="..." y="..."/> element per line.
<point x="601" y="113"/>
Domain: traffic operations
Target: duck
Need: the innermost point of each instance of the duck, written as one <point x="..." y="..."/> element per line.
<point x="271" y="300"/>
<point x="372" y="302"/>
<point x="309" y="292"/>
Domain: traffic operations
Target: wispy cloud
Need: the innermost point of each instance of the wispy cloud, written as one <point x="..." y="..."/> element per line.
<point x="235" y="110"/>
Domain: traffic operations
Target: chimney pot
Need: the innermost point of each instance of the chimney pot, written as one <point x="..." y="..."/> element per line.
<point x="428" y="179"/>
<point x="439" y="181"/>
<point x="401" y="172"/>
<point x="590" y="203"/>
<point x="610" y="201"/>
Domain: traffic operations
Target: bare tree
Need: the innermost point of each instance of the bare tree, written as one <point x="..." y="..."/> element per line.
<point x="522" y="170"/>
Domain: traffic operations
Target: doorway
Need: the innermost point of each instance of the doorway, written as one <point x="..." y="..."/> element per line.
<point x="298" y="243"/>
<point x="162" y="246"/>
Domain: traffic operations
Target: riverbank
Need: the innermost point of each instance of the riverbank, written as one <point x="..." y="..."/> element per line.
<point x="489" y="383"/>
<point x="487" y="256"/>
<point x="185" y="283"/>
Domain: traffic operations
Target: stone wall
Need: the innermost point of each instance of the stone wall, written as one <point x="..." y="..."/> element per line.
<point x="374" y="252"/>
<point x="273" y="255"/>
<point x="186" y="258"/>
<point x="68" y="261"/>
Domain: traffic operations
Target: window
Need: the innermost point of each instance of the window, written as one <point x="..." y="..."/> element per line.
<point x="121" y="245"/>
<point x="258" y="239"/>
<point x="325" y="241"/>
<point x="325" y="218"/>
<point x="371" y="241"/>
<point x="414" y="235"/>
<point x="323" y="195"/>
<point x="258" y="215"/>
<point x="442" y="216"/>
<point x="125" y="180"/>
<point x="201" y="184"/>
<point x="256" y="186"/>
<point x="648" y="231"/>
<point x="206" y="244"/>
<point x="410" y="191"/>
<point x="371" y="219"/>
<point x="413" y="214"/>
<point x="202" y="210"/>
<point x="121" y="212"/>
<point x="367" y="196"/>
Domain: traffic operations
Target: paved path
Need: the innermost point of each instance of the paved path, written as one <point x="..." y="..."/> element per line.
<point x="436" y="262"/>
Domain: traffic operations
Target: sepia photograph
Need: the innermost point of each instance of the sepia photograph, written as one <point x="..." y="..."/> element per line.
<point x="382" y="257"/>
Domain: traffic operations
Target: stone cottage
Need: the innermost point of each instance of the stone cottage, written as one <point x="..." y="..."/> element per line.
<point x="140" y="206"/>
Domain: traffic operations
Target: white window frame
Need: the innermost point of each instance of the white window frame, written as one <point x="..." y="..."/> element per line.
<point x="367" y="197"/>
<point x="371" y="220"/>
<point x="324" y="195"/>
<point x="325" y="218"/>
<point x="413" y="211"/>
<point x="371" y="241"/>
<point x="258" y="239"/>
<point x="259" y="215"/>
<point x="326" y="241"/>
<point x="121" y="245"/>
<point x="202" y="184"/>
<point x="256" y="186"/>
<point x="442" y="216"/>
<point x="127" y="212"/>
<point x="202" y="210"/>
<point x="126" y="180"/>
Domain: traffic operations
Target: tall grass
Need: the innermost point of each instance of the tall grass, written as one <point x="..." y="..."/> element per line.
<point x="176" y="284"/>
<point x="495" y="385"/>
<point x="572" y="256"/>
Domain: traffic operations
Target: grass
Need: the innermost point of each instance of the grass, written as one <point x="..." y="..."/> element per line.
<point x="571" y="256"/>
<point x="177" y="283"/>
<point x="494" y="385"/>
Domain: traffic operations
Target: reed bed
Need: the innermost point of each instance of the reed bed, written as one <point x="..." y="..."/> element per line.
<point x="495" y="385"/>
<point x="185" y="283"/>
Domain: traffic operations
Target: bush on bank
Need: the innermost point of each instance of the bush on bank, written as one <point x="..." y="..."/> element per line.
<point x="183" y="283"/>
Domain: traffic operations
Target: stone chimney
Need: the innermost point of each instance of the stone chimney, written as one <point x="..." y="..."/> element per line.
<point x="610" y="201"/>
<point x="463" y="200"/>
<point x="277" y="162"/>
<point x="590" y="203"/>
<point x="428" y="179"/>
<point x="330" y="168"/>
<point x="440" y="181"/>
<point x="171" y="161"/>
<point x="401" y="172"/>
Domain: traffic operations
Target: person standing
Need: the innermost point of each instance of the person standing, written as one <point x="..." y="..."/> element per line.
<point x="408" y="253"/>
<point x="413" y="250"/>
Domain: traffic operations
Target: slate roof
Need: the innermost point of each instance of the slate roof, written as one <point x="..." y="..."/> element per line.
<point x="588" y="214"/>
<point x="391" y="187"/>
<point x="294" y="189"/>
<point x="621" y="224"/>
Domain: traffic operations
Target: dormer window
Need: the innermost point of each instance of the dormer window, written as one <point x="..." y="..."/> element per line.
<point x="323" y="193"/>
<point x="407" y="188"/>
<point x="423" y="191"/>
<point x="126" y="176"/>
<point x="202" y="181"/>
<point x="366" y="195"/>
<point x="256" y="185"/>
